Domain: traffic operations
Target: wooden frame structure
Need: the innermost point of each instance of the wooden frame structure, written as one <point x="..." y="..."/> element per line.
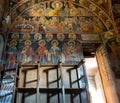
<point x="67" y="85"/>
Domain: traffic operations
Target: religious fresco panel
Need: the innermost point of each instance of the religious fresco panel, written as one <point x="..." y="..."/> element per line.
<point x="57" y="16"/>
<point x="44" y="48"/>
<point x="113" y="47"/>
<point x="49" y="32"/>
<point x="103" y="3"/>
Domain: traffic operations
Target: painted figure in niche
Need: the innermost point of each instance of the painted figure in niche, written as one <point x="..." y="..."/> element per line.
<point x="27" y="53"/>
<point x="75" y="24"/>
<point x="42" y="20"/>
<point x="80" y="11"/>
<point x="48" y="9"/>
<point x="78" y="27"/>
<point x="72" y="9"/>
<point x="53" y="24"/>
<point x="41" y="10"/>
<point x="55" y="52"/>
<point x="70" y="24"/>
<point x="62" y="24"/>
<point x="42" y="52"/>
<point x="66" y="51"/>
<point x="66" y="9"/>
<point x="11" y="55"/>
<point x="90" y="24"/>
<point x="41" y="28"/>
<point x="85" y="27"/>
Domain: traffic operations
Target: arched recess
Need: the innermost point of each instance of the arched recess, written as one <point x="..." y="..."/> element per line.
<point x="107" y="20"/>
<point x="22" y="9"/>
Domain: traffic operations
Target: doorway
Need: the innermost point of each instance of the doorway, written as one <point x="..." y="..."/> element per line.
<point x="94" y="81"/>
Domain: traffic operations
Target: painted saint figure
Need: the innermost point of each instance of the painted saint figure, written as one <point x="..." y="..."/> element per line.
<point x="42" y="52"/>
<point x="11" y="55"/>
<point x="27" y="53"/>
<point x="55" y="52"/>
<point x="71" y="52"/>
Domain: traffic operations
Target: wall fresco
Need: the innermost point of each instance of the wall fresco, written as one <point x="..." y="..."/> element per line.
<point x="45" y="48"/>
<point x="55" y="17"/>
<point x="113" y="47"/>
<point x="108" y="35"/>
<point x="89" y="37"/>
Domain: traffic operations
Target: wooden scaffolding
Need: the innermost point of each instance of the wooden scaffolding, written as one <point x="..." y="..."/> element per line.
<point x="39" y="83"/>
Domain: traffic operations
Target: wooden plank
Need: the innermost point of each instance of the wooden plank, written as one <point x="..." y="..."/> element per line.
<point x="51" y="90"/>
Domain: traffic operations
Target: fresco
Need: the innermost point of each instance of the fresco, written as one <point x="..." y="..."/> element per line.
<point x="113" y="47"/>
<point x="44" y="48"/>
<point x="108" y="35"/>
<point x="102" y="3"/>
<point x="89" y="37"/>
<point x="55" y="17"/>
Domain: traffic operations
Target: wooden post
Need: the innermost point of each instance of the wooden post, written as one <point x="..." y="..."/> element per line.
<point x="15" y="83"/>
<point x="37" y="86"/>
<point x="63" y="90"/>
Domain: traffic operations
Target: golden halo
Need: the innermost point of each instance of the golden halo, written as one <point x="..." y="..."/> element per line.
<point x="54" y="41"/>
<point x="60" y="36"/>
<point x="13" y="42"/>
<point x="15" y="36"/>
<point x="72" y="36"/>
<point x="26" y="36"/>
<point x="57" y="5"/>
<point x="71" y="41"/>
<point x="49" y="36"/>
<point x="27" y="42"/>
<point x="118" y="39"/>
<point x="42" y="41"/>
<point x="37" y="36"/>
